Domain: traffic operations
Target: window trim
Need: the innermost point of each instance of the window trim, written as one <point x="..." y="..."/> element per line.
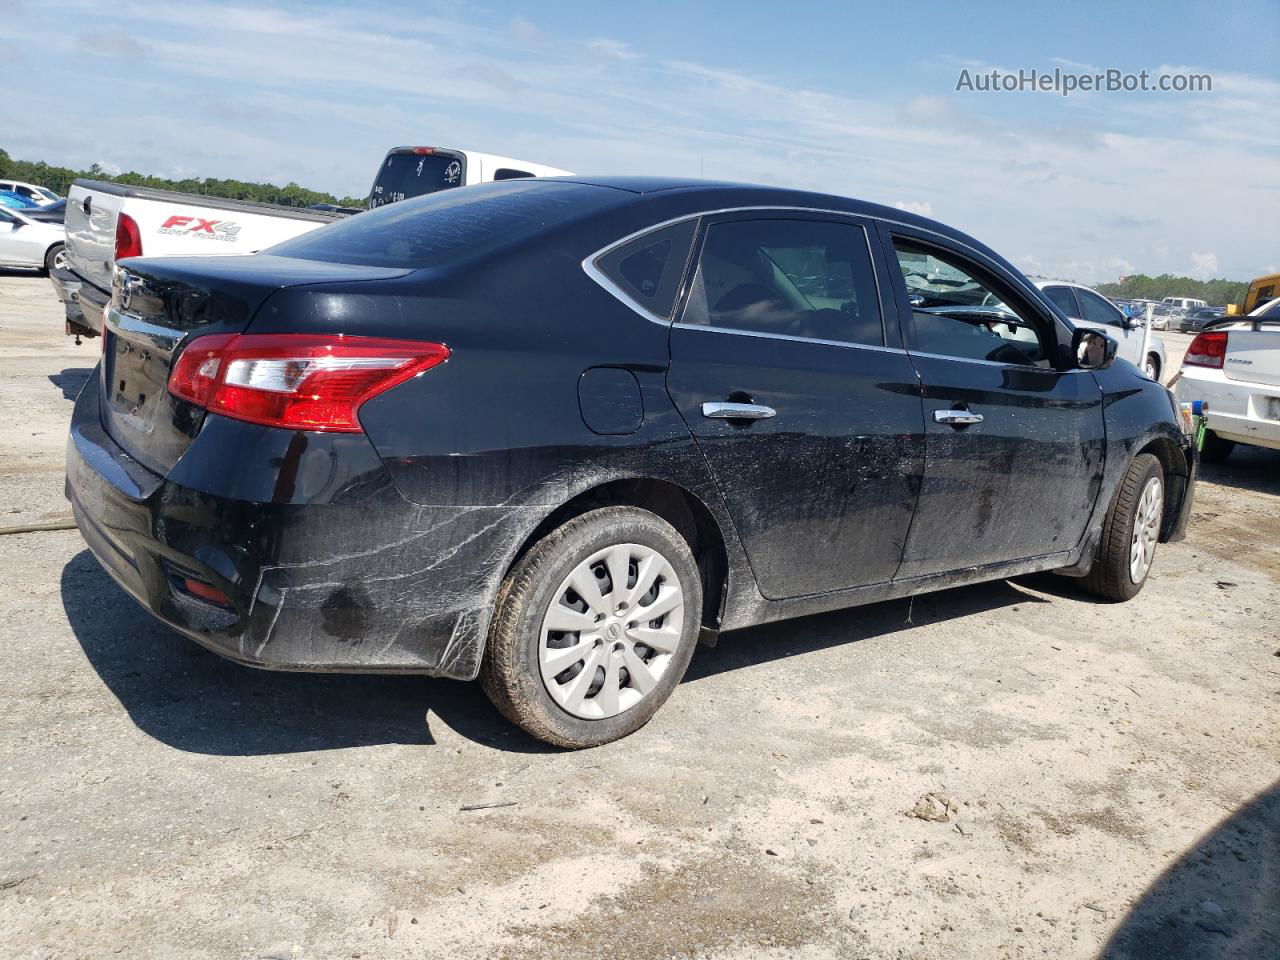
<point x="868" y="225"/>
<point x="864" y="224"/>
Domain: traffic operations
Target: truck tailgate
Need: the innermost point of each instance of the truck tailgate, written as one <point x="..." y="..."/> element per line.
<point x="91" y="234"/>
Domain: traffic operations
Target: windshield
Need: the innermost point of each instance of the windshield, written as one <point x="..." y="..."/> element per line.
<point x="406" y="174"/>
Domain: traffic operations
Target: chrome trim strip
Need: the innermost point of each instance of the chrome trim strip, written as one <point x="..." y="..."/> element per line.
<point x="133" y="327"/>
<point x="786" y="336"/>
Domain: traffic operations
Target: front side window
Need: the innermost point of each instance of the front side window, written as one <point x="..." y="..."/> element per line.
<point x="1095" y="309"/>
<point x="957" y="312"/>
<point x="796" y="278"/>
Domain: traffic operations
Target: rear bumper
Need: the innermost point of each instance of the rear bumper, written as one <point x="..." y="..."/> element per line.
<point x="1238" y="409"/>
<point x="361" y="581"/>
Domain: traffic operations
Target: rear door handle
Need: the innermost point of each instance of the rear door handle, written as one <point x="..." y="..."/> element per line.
<point x="956" y="418"/>
<point x="725" y="410"/>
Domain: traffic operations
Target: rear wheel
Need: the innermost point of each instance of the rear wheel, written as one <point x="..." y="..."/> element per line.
<point x="55" y="257"/>
<point x="593" y="628"/>
<point x="1215" y="449"/>
<point x="1130" y="532"/>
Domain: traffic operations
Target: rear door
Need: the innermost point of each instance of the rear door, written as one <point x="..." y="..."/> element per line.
<point x="1014" y="447"/>
<point x="808" y="417"/>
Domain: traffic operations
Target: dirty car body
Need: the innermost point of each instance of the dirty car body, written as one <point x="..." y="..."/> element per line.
<point x="594" y="330"/>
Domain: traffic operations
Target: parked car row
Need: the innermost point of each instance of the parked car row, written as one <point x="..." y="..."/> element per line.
<point x="551" y="433"/>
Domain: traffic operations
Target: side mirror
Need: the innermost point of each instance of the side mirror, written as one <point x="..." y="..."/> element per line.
<point x="1093" y="349"/>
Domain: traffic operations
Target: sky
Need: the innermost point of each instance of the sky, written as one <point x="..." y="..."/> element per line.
<point x="849" y="98"/>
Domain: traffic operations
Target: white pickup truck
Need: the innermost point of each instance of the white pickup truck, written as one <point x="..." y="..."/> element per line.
<point x="1232" y="369"/>
<point x="107" y="222"/>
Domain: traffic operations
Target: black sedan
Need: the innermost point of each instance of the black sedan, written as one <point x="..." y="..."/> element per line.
<point x="552" y="433"/>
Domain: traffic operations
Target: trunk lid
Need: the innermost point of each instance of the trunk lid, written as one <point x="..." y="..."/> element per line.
<point x="1254" y="355"/>
<point x="158" y="307"/>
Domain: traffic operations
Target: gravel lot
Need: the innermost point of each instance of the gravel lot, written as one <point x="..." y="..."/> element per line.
<point x="1010" y="770"/>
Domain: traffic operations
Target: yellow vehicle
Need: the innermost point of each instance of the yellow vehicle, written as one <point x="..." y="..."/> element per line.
<point x="1260" y="291"/>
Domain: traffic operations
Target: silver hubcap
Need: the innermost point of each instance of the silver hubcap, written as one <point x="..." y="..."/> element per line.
<point x="1149" y="368"/>
<point x="611" y="631"/>
<point x="60" y="259"/>
<point x="1146" y="530"/>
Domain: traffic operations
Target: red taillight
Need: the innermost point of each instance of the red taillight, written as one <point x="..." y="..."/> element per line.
<point x="422" y="151"/>
<point x="128" y="237"/>
<point x="296" y="381"/>
<point x="1206" y="350"/>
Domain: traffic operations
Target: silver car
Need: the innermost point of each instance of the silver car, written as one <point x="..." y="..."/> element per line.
<point x="1088" y="308"/>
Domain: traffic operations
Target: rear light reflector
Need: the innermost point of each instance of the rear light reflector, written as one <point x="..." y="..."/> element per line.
<point x="205" y="591"/>
<point x="1207" y="350"/>
<point x="128" y="237"/>
<point x="296" y="381"/>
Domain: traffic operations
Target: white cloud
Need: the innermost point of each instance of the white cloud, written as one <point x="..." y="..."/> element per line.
<point x="612" y="48"/>
<point x="923" y="207"/>
<point x="315" y="94"/>
<point x="1204" y="266"/>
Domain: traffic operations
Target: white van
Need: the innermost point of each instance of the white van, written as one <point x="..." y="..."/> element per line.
<point x="413" y="171"/>
<point x="1186" y="303"/>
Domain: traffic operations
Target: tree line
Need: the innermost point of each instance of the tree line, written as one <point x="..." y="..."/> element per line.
<point x="1216" y="293"/>
<point x="58" y="179"/>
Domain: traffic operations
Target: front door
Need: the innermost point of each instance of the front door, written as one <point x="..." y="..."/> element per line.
<point x="1014" y="446"/>
<point x="19" y="242"/>
<point x="808" y="417"/>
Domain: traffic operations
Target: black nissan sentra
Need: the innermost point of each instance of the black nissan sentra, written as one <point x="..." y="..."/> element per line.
<point x="552" y="433"/>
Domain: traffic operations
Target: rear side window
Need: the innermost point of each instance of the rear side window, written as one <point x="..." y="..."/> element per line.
<point x="449" y="227"/>
<point x="797" y="278"/>
<point x="1063" y="299"/>
<point x="648" y="269"/>
<point x="506" y="173"/>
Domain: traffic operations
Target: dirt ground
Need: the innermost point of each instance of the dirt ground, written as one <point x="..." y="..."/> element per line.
<point x="1009" y="770"/>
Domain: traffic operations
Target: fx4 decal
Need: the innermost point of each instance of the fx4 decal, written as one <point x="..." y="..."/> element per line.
<point x="201" y="229"/>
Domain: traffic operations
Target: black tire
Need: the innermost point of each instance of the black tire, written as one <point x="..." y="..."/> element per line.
<point x="510" y="673"/>
<point x="1153" y="361"/>
<point x="1215" y="449"/>
<point x="50" y="256"/>
<point x="1110" y="577"/>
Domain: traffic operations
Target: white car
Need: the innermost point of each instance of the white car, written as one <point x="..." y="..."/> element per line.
<point x="1088" y="308"/>
<point x="42" y="196"/>
<point x="30" y="243"/>
<point x="1186" y="303"/>
<point x="1233" y="371"/>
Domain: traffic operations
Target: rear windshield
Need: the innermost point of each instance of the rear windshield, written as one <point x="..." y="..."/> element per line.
<point x="448" y="227"/>
<point x="405" y="175"/>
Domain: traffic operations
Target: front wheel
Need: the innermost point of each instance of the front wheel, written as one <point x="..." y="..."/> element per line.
<point x="1130" y="532"/>
<point x="593" y="628"/>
